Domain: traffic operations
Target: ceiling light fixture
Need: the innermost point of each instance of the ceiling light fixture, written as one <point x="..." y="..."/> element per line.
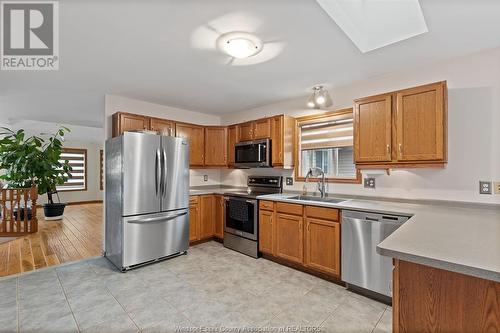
<point x="239" y="45"/>
<point x="320" y="98"/>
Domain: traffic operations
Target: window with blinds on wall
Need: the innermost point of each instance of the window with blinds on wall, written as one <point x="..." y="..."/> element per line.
<point x="77" y="159"/>
<point x="327" y="143"/>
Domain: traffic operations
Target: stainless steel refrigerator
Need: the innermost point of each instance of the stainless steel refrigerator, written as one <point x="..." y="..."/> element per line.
<point x="147" y="198"/>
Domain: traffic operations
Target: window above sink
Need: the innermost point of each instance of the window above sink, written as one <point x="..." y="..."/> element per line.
<point x="326" y="141"/>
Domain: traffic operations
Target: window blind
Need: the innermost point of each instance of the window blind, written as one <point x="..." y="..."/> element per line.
<point x="77" y="159"/>
<point x="332" y="132"/>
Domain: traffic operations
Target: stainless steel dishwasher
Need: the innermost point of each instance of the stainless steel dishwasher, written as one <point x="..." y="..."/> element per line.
<point x="362" y="266"/>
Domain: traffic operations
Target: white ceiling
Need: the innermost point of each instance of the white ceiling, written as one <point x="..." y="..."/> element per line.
<point x="150" y="50"/>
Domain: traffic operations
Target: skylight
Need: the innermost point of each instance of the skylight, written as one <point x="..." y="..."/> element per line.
<point x="372" y="24"/>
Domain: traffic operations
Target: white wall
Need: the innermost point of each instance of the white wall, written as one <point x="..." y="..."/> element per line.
<point x="473" y="130"/>
<point x="115" y="104"/>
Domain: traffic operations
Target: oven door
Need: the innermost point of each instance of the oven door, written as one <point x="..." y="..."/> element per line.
<point x="253" y="154"/>
<point x="240" y="217"/>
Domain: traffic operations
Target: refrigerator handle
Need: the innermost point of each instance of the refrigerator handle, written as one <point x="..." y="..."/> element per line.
<point x="157" y="171"/>
<point x="165" y="171"/>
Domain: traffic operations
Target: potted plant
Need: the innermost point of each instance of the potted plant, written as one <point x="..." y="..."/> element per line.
<point x="35" y="161"/>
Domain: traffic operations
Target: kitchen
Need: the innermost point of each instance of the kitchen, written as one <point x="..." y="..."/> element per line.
<point x="363" y="198"/>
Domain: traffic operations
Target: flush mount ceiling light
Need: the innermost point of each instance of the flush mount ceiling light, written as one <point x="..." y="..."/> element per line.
<point x="320" y="98"/>
<point x="372" y="24"/>
<point x="239" y="45"/>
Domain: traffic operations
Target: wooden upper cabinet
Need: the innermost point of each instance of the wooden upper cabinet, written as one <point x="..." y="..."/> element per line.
<point x="219" y="216"/>
<point x="207" y="224"/>
<point x="420" y="123"/>
<point x="123" y="122"/>
<point x="254" y="130"/>
<point x="372" y="129"/>
<point x="262" y="129"/>
<point x="245" y="132"/>
<point x="162" y="126"/>
<point x="322" y="240"/>
<point x="289" y="237"/>
<point x="266" y="231"/>
<point x="196" y="137"/>
<point x="277" y="140"/>
<point x="282" y="141"/>
<point x="232" y="139"/>
<point x="215" y="146"/>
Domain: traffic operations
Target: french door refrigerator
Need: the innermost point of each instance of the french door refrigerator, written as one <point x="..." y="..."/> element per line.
<point x="147" y="198"/>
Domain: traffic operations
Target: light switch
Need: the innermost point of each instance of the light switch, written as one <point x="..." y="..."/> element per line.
<point x="205" y="178"/>
<point x="289" y="181"/>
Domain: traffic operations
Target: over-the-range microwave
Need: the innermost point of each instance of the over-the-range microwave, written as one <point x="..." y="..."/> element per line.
<point x="253" y="154"/>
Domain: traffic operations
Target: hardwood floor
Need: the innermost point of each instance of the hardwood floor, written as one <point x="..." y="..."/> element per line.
<point x="78" y="235"/>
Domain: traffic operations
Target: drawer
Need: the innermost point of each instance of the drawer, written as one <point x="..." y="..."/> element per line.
<point x="287" y="208"/>
<point x="194" y="199"/>
<point x="266" y="205"/>
<point x="322" y="213"/>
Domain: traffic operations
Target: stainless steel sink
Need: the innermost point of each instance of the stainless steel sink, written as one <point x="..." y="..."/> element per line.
<point x="312" y="198"/>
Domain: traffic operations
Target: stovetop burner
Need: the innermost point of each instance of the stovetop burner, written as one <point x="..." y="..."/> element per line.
<point x="259" y="185"/>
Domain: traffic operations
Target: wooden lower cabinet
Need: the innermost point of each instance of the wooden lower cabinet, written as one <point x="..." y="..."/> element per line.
<point x="305" y="235"/>
<point x="219" y="216"/>
<point x="427" y="299"/>
<point x="266" y="233"/>
<point x="206" y="217"/>
<point x="322" y="239"/>
<point x="194" y="218"/>
<point x="289" y="237"/>
<point x="207" y="204"/>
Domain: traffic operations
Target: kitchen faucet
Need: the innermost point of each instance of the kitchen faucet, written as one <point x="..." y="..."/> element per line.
<point x="315" y="172"/>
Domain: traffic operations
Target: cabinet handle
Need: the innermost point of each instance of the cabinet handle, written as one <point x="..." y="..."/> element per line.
<point x="388" y="149"/>
<point x="399" y="148"/>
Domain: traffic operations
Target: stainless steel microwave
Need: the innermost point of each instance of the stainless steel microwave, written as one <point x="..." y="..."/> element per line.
<point x="253" y="154"/>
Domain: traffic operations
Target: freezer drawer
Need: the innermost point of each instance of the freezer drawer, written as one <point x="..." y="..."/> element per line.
<point x="153" y="236"/>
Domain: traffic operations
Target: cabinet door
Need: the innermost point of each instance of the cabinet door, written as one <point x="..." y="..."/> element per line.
<point x="207" y="204"/>
<point x="162" y="126"/>
<point x="289" y="237"/>
<point x="245" y="131"/>
<point x="372" y="129"/>
<point x="277" y="140"/>
<point x="219" y="216"/>
<point x="262" y="129"/>
<point x="323" y="245"/>
<point x="215" y="146"/>
<point x="420" y="123"/>
<point x="232" y="139"/>
<point x="266" y="231"/>
<point x="194" y="219"/>
<point x="196" y="137"/>
<point x="123" y="122"/>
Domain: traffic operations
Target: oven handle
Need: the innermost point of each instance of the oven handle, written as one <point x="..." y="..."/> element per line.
<point x="252" y="201"/>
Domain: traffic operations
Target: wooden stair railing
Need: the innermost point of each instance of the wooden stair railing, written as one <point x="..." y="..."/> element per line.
<point x="18" y="209"/>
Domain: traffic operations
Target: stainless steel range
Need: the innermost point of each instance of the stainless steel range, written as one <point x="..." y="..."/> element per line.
<point x="241" y="218"/>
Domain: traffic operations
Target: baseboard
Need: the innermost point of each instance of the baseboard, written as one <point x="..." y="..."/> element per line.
<point x="299" y="267"/>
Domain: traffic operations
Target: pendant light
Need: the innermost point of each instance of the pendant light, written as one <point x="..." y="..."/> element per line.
<point x="320" y="98"/>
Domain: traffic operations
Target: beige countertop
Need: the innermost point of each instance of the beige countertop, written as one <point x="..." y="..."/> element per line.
<point x="215" y="189"/>
<point x="463" y="238"/>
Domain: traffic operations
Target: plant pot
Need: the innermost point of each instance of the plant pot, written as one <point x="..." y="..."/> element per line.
<point x="54" y="211"/>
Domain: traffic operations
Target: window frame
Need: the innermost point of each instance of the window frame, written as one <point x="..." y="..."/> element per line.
<point x="77" y="150"/>
<point x="298" y="156"/>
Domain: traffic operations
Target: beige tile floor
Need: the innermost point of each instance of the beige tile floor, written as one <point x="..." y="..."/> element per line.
<point x="211" y="287"/>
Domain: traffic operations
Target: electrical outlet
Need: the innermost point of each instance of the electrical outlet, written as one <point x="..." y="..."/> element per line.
<point x="289" y="181"/>
<point x="485" y="187"/>
<point x="496" y="187"/>
<point x="205" y="178"/>
<point x="369" y="182"/>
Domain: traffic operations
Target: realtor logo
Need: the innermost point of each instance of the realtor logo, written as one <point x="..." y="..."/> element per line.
<point x="29" y="35"/>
